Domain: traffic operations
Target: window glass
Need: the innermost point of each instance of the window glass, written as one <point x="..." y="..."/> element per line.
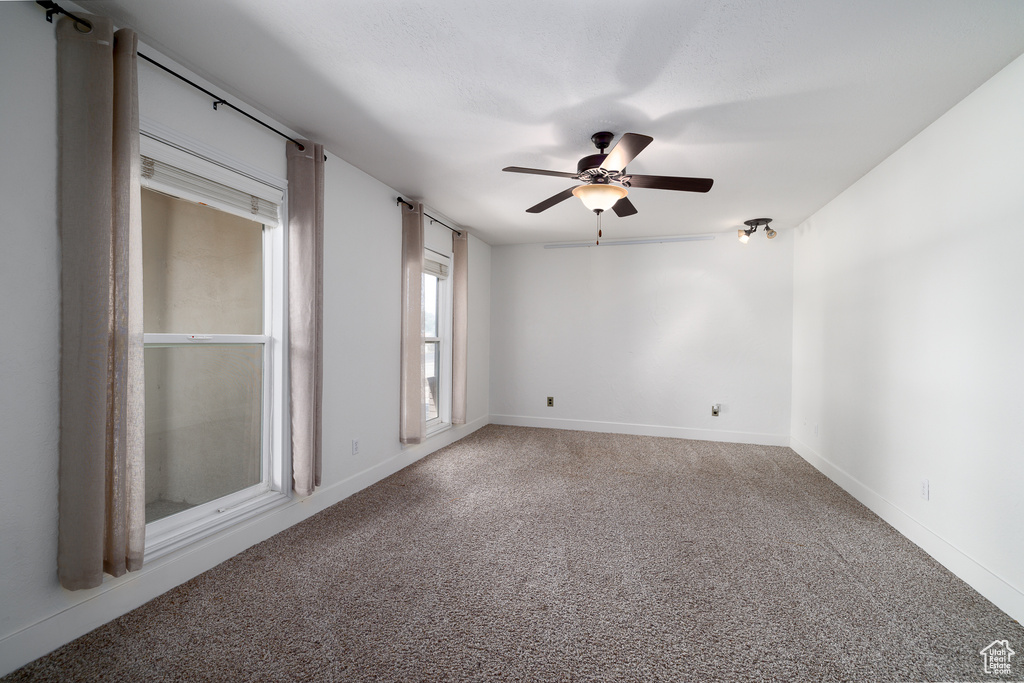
<point x="202" y="268"/>
<point x="436" y="341"/>
<point x="432" y="366"/>
<point x="205" y="352"/>
<point x="203" y="423"/>
<point x="430" y="305"/>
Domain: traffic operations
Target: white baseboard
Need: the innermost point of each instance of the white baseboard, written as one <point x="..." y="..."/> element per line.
<point x="1000" y="592"/>
<point x="762" y="439"/>
<point x="94" y="607"/>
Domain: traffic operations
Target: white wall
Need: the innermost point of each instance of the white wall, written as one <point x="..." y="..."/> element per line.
<point x="29" y="311"/>
<point x="908" y="339"/>
<point x="361" y="320"/>
<point x="645" y="338"/>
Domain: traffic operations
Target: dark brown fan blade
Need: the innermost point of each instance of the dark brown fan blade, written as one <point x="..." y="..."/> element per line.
<point x="551" y="201"/>
<point x="537" y="171"/>
<point x="625" y="150"/>
<point x="667" y="182"/>
<point x="624" y="207"/>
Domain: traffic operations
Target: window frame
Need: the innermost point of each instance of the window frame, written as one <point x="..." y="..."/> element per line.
<point x="171" y="533"/>
<point x="443" y="420"/>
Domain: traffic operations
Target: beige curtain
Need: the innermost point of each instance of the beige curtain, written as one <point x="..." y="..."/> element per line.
<point x="460" y="324"/>
<point x="102" y="516"/>
<point x="306" y="310"/>
<point x="412" y="425"/>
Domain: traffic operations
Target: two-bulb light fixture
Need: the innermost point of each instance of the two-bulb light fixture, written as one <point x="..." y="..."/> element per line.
<point x="752" y="225"/>
<point x="599" y="197"/>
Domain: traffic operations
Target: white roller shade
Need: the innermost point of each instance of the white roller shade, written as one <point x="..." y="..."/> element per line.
<point x="439" y="270"/>
<point x="173" y="171"/>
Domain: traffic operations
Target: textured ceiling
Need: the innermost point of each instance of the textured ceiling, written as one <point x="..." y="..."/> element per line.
<point x="785" y="103"/>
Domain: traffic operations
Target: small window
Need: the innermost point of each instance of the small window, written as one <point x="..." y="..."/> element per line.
<point x="205" y="354"/>
<point x="212" y="309"/>
<point x="437" y="348"/>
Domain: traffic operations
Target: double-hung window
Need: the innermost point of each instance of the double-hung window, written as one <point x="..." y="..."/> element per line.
<point x="437" y="335"/>
<point x="213" y="318"/>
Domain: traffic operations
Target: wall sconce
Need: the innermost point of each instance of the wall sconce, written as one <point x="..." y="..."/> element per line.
<point x="752" y="225"/>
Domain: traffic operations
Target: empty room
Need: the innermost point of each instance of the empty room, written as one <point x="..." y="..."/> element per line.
<point x="536" y="341"/>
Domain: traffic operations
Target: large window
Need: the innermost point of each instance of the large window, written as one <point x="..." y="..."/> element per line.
<point x="212" y="296"/>
<point x="437" y="347"/>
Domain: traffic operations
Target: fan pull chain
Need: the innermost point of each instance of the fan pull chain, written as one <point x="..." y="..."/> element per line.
<point x="598" y="241"/>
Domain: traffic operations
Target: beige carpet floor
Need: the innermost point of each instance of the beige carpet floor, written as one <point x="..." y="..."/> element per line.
<point x="542" y="555"/>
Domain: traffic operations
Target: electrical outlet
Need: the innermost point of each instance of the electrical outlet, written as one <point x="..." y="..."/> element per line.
<point x="551" y="401"/>
<point x="715" y="409"/>
<point x="355" y="446"/>
<point x="925" y="489"/>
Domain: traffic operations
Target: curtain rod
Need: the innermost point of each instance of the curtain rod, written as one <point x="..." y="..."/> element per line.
<point x="217" y="100"/>
<point x="53" y="8"/>
<point x="455" y="230"/>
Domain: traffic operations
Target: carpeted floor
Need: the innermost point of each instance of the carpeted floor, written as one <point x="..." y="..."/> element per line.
<point x="543" y="555"/>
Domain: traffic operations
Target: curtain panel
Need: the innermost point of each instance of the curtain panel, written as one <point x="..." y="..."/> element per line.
<point x="460" y="324"/>
<point x="412" y="419"/>
<point x="101" y="496"/>
<point x="306" y="311"/>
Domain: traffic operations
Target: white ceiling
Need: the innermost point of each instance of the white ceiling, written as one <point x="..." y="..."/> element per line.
<point x="785" y="103"/>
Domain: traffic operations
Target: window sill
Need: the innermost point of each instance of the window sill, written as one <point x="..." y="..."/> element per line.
<point x="164" y="536"/>
<point x="437" y="428"/>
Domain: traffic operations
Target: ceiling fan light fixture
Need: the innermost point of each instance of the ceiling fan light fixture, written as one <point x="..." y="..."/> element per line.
<point x="599" y="196"/>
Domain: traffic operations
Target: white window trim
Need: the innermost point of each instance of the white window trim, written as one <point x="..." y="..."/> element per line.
<point x="443" y="420"/>
<point x="166" y="535"/>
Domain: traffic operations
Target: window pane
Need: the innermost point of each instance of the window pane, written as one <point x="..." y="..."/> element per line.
<point x="202" y="268"/>
<point x="203" y="426"/>
<point x="432" y="365"/>
<point x="429" y="305"/>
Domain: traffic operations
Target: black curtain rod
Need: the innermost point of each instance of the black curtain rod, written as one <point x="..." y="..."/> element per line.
<point x="217" y="100"/>
<point x="456" y="231"/>
<point x="53" y="8"/>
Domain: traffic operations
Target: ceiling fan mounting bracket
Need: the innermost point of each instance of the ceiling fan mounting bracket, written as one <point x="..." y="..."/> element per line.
<point x="602" y="140"/>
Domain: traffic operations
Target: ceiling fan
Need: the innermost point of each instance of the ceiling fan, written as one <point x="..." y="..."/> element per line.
<point x="605" y="178"/>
